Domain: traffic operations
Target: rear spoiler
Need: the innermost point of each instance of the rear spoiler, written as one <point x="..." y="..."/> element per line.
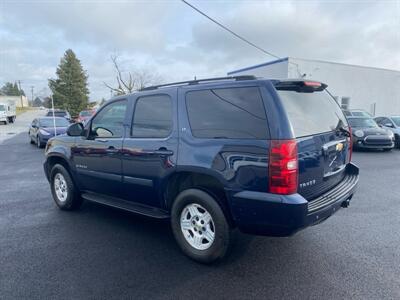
<point x="300" y="85"/>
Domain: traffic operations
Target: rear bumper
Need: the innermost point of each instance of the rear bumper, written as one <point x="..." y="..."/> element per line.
<point x="283" y="215"/>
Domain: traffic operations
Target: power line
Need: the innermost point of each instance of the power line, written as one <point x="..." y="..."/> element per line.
<point x="230" y="31"/>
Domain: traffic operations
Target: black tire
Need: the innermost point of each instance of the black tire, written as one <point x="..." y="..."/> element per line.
<point x="73" y="200"/>
<point x="39" y="143"/>
<point x="397" y="141"/>
<point x="222" y="237"/>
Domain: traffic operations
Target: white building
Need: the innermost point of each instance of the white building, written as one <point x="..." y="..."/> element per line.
<point x="375" y="90"/>
<point x="20" y="101"/>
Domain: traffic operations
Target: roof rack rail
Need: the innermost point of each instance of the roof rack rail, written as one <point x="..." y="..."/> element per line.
<point x="197" y="81"/>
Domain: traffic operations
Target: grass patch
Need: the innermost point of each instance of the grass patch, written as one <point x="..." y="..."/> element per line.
<point x="21" y="110"/>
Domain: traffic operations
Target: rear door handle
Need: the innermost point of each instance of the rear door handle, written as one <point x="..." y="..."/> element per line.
<point x="163" y="152"/>
<point x="112" y="150"/>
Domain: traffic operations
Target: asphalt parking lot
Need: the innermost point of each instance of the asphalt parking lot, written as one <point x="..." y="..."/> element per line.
<point x="103" y="253"/>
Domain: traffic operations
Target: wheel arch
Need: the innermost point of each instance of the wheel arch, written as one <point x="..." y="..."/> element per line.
<point x="196" y="179"/>
<point x="57" y="158"/>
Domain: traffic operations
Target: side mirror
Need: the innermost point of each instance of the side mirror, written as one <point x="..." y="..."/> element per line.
<point x="388" y="125"/>
<point x="75" y="129"/>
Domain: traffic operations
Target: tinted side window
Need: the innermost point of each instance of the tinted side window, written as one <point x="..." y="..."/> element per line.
<point x="109" y="121"/>
<point x="233" y="113"/>
<point x="152" y="117"/>
<point x="387" y="121"/>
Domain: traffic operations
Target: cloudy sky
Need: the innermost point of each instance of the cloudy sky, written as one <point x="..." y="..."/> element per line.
<point x="177" y="43"/>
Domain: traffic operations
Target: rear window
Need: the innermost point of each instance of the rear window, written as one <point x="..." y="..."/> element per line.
<point x="231" y="113"/>
<point x="312" y="113"/>
<point x="57" y="114"/>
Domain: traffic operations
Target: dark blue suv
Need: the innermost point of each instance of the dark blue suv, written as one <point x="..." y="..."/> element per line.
<point x="268" y="157"/>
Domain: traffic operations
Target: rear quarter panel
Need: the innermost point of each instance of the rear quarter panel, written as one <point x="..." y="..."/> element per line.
<point x="239" y="164"/>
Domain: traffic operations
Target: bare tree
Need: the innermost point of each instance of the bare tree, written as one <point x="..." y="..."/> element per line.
<point x="128" y="82"/>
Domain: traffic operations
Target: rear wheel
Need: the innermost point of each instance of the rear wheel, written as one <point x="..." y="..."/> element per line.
<point x="64" y="192"/>
<point x="200" y="226"/>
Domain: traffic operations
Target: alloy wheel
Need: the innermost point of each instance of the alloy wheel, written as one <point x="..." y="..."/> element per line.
<point x="197" y="226"/>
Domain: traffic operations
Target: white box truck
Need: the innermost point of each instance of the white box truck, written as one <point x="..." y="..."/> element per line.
<point x="8" y="112"/>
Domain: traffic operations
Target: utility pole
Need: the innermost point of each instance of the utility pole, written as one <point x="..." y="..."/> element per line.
<point x="22" y="101"/>
<point x="32" y="87"/>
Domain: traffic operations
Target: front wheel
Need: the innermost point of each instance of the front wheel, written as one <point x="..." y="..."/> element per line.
<point x="31" y="141"/>
<point x="200" y="226"/>
<point x="64" y="192"/>
<point x="397" y="141"/>
<point x="39" y="142"/>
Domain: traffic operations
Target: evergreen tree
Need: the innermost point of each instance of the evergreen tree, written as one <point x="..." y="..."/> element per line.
<point x="70" y="89"/>
<point x="12" y="89"/>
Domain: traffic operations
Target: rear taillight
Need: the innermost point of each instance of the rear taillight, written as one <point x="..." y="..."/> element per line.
<point x="312" y="83"/>
<point x="350" y="144"/>
<point x="283" y="167"/>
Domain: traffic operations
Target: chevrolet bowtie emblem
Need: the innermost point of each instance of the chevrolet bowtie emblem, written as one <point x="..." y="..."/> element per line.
<point x="339" y="147"/>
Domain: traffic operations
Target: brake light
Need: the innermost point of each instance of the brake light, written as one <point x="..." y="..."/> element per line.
<point x="350" y="144"/>
<point x="312" y="83"/>
<point x="283" y="167"/>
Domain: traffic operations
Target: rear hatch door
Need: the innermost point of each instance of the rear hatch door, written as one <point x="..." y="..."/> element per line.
<point x="322" y="135"/>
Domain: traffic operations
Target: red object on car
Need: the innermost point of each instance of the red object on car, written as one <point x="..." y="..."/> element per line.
<point x="85" y="115"/>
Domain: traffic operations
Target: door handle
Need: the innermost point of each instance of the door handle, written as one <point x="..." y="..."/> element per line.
<point x="112" y="150"/>
<point x="163" y="151"/>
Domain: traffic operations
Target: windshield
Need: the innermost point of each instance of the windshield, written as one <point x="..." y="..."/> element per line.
<point x="60" y="122"/>
<point x="85" y="113"/>
<point x="312" y="113"/>
<point x="360" y="113"/>
<point x="362" y="122"/>
<point x="396" y="120"/>
<point x="2" y="108"/>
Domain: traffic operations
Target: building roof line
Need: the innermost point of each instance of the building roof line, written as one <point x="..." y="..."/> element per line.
<point x="343" y="64"/>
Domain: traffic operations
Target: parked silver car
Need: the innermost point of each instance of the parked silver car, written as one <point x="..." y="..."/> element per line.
<point x="393" y="124"/>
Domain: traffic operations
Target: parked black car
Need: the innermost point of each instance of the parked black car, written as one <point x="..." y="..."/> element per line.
<point x="42" y="129"/>
<point x="268" y="157"/>
<point x="368" y="135"/>
<point x="59" y="113"/>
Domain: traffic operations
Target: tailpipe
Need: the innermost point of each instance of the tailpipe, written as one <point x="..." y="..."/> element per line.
<point x="346" y="203"/>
